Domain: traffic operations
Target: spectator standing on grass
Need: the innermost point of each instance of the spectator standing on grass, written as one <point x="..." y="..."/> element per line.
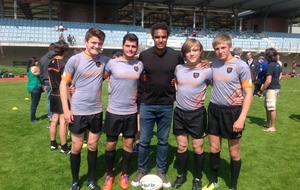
<point x="294" y="66"/>
<point x="226" y="119"/>
<point x="34" y="86"/>
<point x="44" y="63"/>
<point x="85" y="70"/>
<point x="121" y="115"/>
<point x="278" y="60"/>
<point x="262" y="74"/>
<point x="261" y="69"/>
<point x="253" y="67"/>
<point x="55" y="70"/>
<point x="189" y="117"/>
<point x="272" y="88"/>
<point x="157" y="101"/>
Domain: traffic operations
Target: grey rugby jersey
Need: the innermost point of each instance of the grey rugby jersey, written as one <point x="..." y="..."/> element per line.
<point x="229" y="79"/>
<point x="86" y="74"/>
<point x="123" y="85"/>
<point x="191" y="86"/>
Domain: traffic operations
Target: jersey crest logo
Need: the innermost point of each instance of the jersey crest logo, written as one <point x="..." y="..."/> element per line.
<point x="98" y="63"/>
<point x="136" y="68"/>
<point x="229" y="70"/>
<point x="195" y="75"/>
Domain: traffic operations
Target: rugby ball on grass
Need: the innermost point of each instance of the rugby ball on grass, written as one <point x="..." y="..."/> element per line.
<point x="151" y="182"/>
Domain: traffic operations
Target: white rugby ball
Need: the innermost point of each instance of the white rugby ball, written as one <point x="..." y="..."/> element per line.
<point x="151" y="182"/>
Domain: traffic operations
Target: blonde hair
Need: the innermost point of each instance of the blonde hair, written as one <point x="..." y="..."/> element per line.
<point x="188" y="44"/>
<point x="222" y="38"/>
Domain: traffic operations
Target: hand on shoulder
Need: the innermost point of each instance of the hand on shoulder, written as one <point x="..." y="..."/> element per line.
<point x="204" y="64"/>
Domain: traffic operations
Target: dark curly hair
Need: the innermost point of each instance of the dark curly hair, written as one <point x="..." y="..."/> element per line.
<point x="162" y="26"/>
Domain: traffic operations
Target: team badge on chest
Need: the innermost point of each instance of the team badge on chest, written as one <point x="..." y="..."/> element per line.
<point x="136" y="68"/>
<point x="196" y="75"/>
<point x="98" y="63"/>
<point x="229" y="70"/>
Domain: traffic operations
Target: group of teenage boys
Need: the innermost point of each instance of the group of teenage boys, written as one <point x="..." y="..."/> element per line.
<point x="163" y="73"/>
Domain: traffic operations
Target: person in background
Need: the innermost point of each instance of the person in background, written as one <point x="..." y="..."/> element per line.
<point x="189" y="118"/>
<point x="294" y="66"/>
<point x="44" y="63"/>
<point x="71" y="40"/>
<point x="186" y="33"/>
<point x="262" y="75"/>
<point x="226" y="118"/>
<point x="85" y="71"/>
<point x="61" y="37"/>
<point x="56" y="27"/>
<point x="253" y="67"/>
<point x="34" y="86"/>
<point x="280" y="63"/>
<point x="61" y="27"/>
<point x="194" y="33"/>
<point x="261" y="70"/>
<point x="237" y="52"/>
<point x="117" y="53"/>
<point x="278" y="60"/>
<point x="77" y="50"/>
<point x="272" y="88"/>
<point x="121" y="115"/>
<point x="55" y="70"/>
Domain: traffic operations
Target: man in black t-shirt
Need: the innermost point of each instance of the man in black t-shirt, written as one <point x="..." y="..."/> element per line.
<point x="157" y="101"/>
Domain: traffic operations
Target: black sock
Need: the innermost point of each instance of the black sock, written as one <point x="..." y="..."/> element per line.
<point x="214" y="166"/>
<point x="182" y="159"/>
<point x="235" y="168"/>
<point x="64" y="147"/>
<point x="110" y="159"/>
<point x="92" y="162"/>
<point x="199" y="164"/>
<point x="53" y="143"/>
<point x="75" y="165"/>
<point x="126" y="159"/>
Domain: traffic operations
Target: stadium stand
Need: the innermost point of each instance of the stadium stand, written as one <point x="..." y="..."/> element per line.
<point x="17" y="31"/>
<point x="42" y="31"/>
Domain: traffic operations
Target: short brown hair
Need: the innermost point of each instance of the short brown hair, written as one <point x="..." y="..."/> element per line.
<point x="95" y="32"/>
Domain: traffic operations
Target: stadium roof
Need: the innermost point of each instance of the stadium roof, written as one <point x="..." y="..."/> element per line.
<point x="279" y="8"/>
<point x="222" y="9"/>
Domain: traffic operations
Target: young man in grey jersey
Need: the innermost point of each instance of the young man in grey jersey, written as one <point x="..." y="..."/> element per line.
<point x="85" y="70"/>
<point x="121" y="115"/>
<point x="189" y="118"/>
<point x="231" y="78"/>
